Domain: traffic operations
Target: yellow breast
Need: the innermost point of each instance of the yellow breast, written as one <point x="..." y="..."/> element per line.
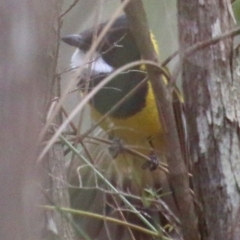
<point x="137" y="129"/>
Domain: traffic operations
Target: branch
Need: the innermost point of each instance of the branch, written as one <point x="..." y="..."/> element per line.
<point x="177" y="170"/>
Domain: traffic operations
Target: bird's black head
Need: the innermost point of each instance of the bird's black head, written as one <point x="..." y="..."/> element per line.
<point x="117" y="48"/>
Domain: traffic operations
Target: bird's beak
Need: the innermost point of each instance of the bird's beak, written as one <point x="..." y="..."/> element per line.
<point x="76" y="40"/>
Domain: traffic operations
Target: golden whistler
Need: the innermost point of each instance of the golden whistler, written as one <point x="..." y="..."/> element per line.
<point x="134" y="123"/>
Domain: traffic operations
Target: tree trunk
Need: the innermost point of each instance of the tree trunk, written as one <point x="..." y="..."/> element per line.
<point x="28" y="56"/>
<point x="212" y="105"/>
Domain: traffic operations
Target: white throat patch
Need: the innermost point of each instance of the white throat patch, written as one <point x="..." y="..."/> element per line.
<point x="98" y="65"/>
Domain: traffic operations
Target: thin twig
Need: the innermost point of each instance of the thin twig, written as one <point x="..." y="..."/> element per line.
<point x="108" y="184"/>
<point x="69" y="9"/>
<point x="105" y="218"/>
<point x="178" y="174"/>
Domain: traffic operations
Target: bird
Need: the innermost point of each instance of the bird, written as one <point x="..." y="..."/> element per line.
<point x="134" y="124"/>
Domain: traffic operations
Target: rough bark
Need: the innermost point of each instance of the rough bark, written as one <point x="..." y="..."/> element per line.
<point x="212" y="110"/>
<point x="61" y="227"/>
